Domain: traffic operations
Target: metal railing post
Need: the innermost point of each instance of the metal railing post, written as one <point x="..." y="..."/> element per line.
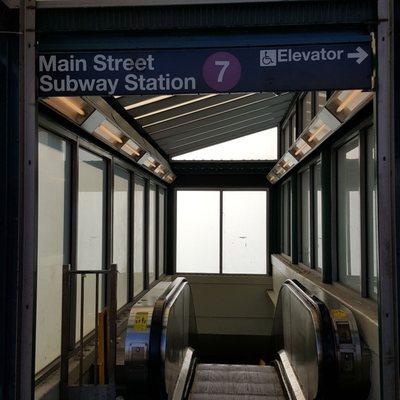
<point x="65" y="329"/>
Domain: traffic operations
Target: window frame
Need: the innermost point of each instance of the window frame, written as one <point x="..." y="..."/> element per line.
<point x="220" y="190"/>
<point x="360" y="132"/>
<point x="78" y="140"/>
<point x="288" y="184"/>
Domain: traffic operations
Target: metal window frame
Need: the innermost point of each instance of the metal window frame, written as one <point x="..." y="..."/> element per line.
<point x="359" y="134"/>
<point x="309" y="168"/>
<point x="76" y="142"/>
<point x="288" y="185"/>
<point x="129" y="233"/>
<point x="221" y="190"/>
<point x="314" y="207"/>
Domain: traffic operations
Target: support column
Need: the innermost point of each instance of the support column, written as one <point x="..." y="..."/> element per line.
<point x="28" y="149"/>
<point x="328" y="215"/>
<point x="388" y="160"/>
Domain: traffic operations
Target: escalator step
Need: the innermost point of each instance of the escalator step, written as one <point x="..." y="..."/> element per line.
<point x="242" y="382"/>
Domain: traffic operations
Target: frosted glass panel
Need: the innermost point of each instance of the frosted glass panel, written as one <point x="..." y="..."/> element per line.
<point x="244" y="232"/>
<point x="53" y="243"/>
<point x="121" y="232"/>
<point x="91" y="228"/>
<point x="307" y="109"/>
<point x="305" y="218"/>
<point x="318" y="216"/>
<point x="198" y="231"/>
<point x="161" y="232"/>
<point x="349" y="216"/>
<point x="138" y="236"/>
<point x="372" y="216"/>
<point x="152" y="233"/>
<point x="286" y="218"/>
<point x="320" y="100"/>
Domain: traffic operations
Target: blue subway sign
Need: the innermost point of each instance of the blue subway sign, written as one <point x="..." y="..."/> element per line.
<point x="249" y="69"/>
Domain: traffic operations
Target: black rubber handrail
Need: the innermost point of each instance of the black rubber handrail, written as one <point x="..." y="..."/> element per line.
<point x="156" y="370"/>
<point x="327" y="368"/>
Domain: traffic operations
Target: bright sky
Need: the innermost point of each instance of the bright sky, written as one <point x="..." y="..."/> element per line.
<point x="257" y="146"/>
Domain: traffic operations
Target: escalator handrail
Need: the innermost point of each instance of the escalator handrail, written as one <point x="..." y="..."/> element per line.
<point x="324" y="335"/>
<point x="156" y="370"/>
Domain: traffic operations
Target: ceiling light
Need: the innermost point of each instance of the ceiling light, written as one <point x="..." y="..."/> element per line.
<point x="109" y="132"/>
<point x="301" y="147"/>
<point x="74" y="108"/>
<point x="148" y="101"/>
<point x="160" y="170"/>
<point x="321" y="126"/>
<point x="345" y="103"/>
<point x="131" y="148"/>
<point x="177" y="105"/>
<point x="199" y="109"/>
<point x="170" y="177"/>
<point x="149" y="162"/>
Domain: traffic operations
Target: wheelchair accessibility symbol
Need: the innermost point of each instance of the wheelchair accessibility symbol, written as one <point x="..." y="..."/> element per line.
<point x="267" y="58"/>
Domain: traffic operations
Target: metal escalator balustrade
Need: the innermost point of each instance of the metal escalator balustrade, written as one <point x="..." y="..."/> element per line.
<point x="318" y="352"/>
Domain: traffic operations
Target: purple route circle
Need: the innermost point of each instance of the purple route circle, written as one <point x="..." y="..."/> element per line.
<point x="222" y="71"/>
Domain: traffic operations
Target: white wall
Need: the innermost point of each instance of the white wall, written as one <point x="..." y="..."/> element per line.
<point x="232" y="305"/>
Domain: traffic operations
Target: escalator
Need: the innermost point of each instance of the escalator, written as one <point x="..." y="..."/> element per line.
<point x="316" y="345"/>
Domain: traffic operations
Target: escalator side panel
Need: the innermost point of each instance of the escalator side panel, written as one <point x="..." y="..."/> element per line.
<point x="297" y="330"/>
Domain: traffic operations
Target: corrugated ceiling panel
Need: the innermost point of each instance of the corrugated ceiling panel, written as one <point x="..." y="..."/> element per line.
<point x="183" y="123"/>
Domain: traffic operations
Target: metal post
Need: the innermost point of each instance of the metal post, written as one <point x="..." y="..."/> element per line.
<point x="327" y="217"/>
<point x="28" y="201"/>
<point x="388" y="193"/>
<point x="81" y="323"/>
<point x="112" y="319"/>
<point x="294" y="220"/>
<point x="65" y="329"/>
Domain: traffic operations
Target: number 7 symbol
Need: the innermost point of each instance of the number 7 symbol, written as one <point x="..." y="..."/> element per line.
<point x="224" y="65"/>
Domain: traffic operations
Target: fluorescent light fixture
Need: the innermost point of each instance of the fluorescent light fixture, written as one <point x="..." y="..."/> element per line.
<point x="131" y="148"/>
<point x="199" y="109"/>
<point x="95" y="116"/>
<point x="321" y="126"/>
<point x="160" y="170"/>
<point x="177" y="105"/>
<point x="340" y="107"/>
<point x="272" y="177"/>
<point x="74" y="108"/>
<point x="300" y="148"/>
<point x="345" y="103"/>
<point x="146" y="102"/>
<point x="109" y="132"/>
<point x="288" y="161"/>
<point x="149" y="162"/>
<point x="170" y="177"/>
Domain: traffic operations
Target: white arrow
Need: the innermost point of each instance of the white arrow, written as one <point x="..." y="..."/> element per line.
<point x="360" y="55"/>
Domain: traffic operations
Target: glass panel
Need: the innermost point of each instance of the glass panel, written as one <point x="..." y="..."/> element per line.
<point x="305" y="218"/>
<point x="54" y="188"/>
<point x="91" y="228"/>
<point x="318" y="216"/>
<point x="244" y="232"/>
<point x="138" y="236"/>
<point x="372" y="216"/>
<point x="256" y="146"/>
<point x="152" y="233"/>
<point x="161" y="232"/>
<point x="320" y="100"/>
<point x="307" y="109"/>
<point x="286" y="219"/>
<point x="349" y="216"/>
<point x="121" y="232"/>
<point x="198" y="217"/>
<point x="286" y="137"/>
<point x="294" y="132"/>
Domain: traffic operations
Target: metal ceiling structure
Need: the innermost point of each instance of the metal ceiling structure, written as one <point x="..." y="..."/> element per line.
<point x="183" y="123"/>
